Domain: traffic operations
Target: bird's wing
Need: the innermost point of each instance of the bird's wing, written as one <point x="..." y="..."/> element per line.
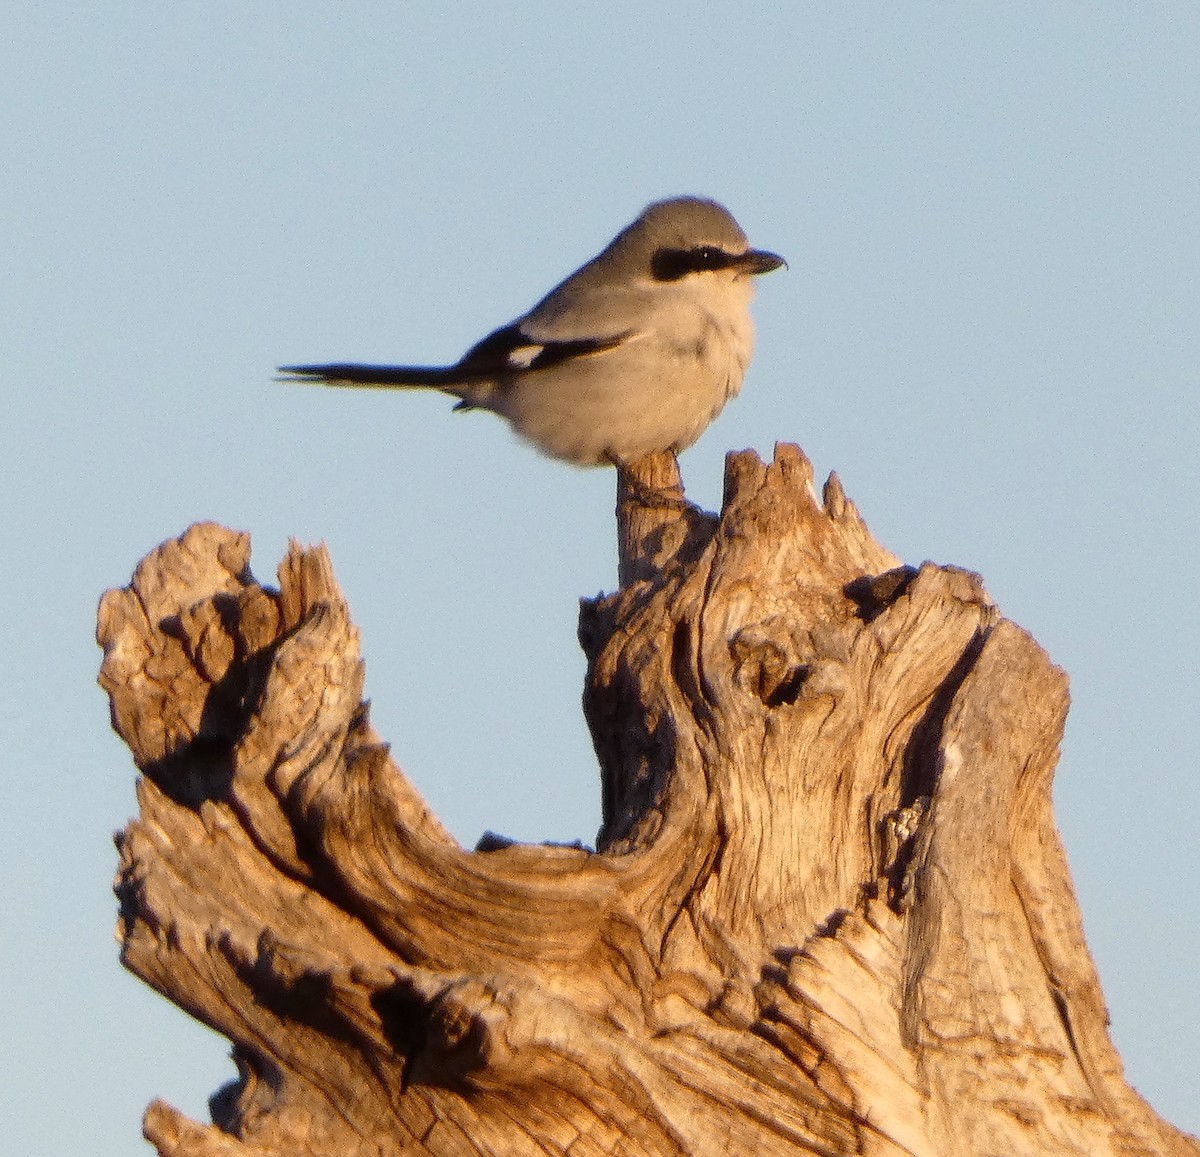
<point x="512" y="349"/>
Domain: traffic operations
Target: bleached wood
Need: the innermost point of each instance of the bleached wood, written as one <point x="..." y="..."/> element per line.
<point x="828" y="911"/>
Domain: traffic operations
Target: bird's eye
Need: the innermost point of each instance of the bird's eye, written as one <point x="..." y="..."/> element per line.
<point x="672" y="264"/>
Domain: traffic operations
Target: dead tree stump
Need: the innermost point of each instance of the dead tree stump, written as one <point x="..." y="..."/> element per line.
<point x="828" y="911"/>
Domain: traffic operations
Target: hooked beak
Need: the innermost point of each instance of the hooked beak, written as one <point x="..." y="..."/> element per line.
<point x="755" y="261"/>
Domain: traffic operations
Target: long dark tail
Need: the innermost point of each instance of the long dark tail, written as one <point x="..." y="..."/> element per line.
<point x="379" y="377"/>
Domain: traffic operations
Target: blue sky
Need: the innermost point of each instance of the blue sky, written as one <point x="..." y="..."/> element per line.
<point x="988" y="328"/>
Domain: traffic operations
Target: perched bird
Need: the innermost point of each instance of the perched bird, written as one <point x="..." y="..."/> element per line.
<point x="635" y="352"/>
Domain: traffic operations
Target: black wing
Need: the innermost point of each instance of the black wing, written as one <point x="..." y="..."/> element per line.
<point x="510" y="349"/>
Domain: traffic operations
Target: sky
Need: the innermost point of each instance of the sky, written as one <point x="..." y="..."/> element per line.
<point x="988" y="327"/>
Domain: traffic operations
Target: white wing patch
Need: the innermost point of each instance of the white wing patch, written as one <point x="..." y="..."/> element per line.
<point x="521" y="357"/>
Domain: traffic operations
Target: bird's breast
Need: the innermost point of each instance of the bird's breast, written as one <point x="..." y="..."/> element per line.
<point x="722" y="347"/>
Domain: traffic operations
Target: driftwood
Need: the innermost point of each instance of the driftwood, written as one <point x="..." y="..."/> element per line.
<point x="828" y="911"/>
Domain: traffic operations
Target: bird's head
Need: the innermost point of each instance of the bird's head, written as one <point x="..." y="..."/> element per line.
<point x="686" y="237"/>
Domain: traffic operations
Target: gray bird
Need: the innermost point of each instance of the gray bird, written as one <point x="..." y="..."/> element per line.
<point x="636" y="352"/>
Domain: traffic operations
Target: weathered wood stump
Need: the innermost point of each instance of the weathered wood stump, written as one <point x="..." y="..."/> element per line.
<point x="828" y="911"/>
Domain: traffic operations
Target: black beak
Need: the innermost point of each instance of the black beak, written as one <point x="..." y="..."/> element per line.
<point x="755" y="261"/>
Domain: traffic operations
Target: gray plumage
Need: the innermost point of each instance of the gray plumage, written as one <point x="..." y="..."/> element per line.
<point x="637" y="351"/>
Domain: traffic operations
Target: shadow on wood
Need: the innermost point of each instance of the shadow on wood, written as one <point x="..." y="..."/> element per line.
<point x="828" y="911"/>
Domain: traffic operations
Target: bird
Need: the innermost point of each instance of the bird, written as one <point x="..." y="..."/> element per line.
<point x="634" y="353"/>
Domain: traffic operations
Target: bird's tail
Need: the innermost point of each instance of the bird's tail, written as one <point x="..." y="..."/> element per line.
<point x="377" y="377"/>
